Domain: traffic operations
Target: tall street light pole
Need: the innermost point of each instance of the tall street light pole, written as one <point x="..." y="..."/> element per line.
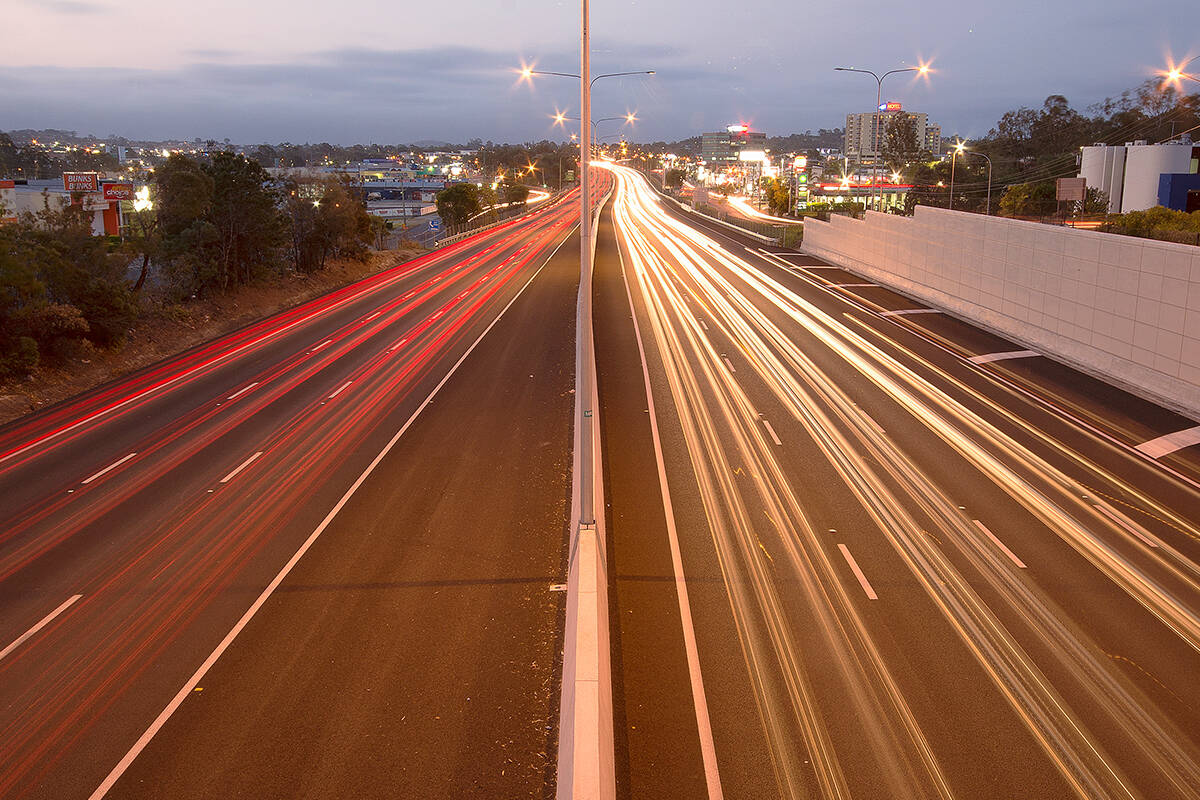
<point x="878" y="102"/>
<point x="960" y="149"/>
<point x="587" y="511"/>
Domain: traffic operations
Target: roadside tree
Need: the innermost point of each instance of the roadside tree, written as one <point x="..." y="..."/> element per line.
<point x="459" y="203"/>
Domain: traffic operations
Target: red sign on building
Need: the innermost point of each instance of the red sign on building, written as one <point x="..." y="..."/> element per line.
<point x="80" y="181"/>
<point x="118" y="191"/>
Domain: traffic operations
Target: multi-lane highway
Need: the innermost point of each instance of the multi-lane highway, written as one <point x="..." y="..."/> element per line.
<point x="862" y="549"/>
<point x="855" y="547"/>
<point x="315" y="558"/>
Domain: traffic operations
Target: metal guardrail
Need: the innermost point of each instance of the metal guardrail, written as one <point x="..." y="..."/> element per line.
<point x="761" y="228"/>
<point x="776" y="234"/>
<point x="455" y="233"/>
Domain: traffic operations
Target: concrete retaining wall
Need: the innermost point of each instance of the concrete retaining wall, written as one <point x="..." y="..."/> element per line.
<point x="1125" y="309"/>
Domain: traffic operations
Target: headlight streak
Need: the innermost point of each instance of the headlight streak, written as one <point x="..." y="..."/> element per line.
<point x="1024" y="393"/>
<point x="1097" y="671"/>
<point x="902" y="752"/>
<point x="1152" y="504"/>
<point x="1031" y="696"/>
<point x="1150" y="593"/>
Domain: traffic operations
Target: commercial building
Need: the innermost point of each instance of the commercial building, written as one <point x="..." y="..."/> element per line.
<point x="101" y="198"/>
<point x="396" y="198"/>
<point x="1137" y="175"/>
<point x="727" y="145"/>
<point x="861" y="131"/>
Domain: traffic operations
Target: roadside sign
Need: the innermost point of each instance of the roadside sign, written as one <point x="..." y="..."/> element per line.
<point x="80" y="181"/>
<point x="118" y="191"/>
<point x="1071" y="190"/>
<point x="435" y="224"/>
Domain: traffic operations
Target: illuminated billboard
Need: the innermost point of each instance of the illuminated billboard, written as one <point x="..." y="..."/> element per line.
<point x="80" y="181"/>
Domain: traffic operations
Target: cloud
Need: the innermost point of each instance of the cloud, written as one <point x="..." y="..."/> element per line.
<point x="70" y="7"/>
<point x="455" y="93"/>
<point x="344" y="95"/>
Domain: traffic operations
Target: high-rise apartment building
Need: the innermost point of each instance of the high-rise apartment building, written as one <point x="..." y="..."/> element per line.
<point x="861" y="131"/>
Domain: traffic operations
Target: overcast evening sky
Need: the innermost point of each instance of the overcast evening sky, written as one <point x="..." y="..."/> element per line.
<point x="374" y="71"/>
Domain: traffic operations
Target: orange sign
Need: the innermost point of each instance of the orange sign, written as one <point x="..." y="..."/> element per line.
<point x="80" y="181"/>
<point x="118" y="191"/>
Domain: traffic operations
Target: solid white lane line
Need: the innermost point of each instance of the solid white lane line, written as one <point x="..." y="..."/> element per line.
<point x="108" y="468"/>
<point x="241" y="391"/>
<point x="241" y="467"/>
<point x="1157" y="448"/>
<point x="902" y="312"/>
<point x="987" y="358"/>
<point x="729" y="363"/>
<point x="858" y="573"/>
<point x="340" y="389"/>
<point x="318" y="347"/>
<point x="708" y="749"/>
<point x="854" y="285"/>
<point x="770" y="430"/>
<point x="1126" y="523"/>
<point x="1012" y="556"/>
<point x="46" y="620"/>
<point x="203" y="669"/>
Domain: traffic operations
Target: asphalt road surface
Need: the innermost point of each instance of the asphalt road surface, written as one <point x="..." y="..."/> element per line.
<point x="856" y="547"/>
<point x="315" y="558"/>
<point x="860" y="553"/>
